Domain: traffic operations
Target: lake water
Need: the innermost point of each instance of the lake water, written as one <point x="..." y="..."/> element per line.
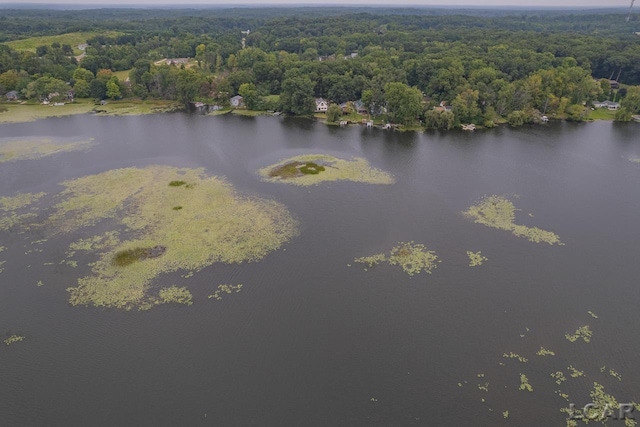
<point x="312" y="342"/>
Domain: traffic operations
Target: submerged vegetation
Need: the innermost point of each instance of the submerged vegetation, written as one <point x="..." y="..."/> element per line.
<point x="215" y="225"/>
<point x="413" y="258"/>
<point x="20" y="149"/>
<point x="312" y="169"/>
<point x="499" y="212"/>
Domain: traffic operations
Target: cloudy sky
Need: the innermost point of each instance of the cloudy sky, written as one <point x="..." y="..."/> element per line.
<point x="534" y="3"/>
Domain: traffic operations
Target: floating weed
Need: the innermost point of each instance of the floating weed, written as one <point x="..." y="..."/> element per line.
<point x="411" y="257"/>
<point x="3" y="248"/>
<point x="95" y="243"/>
<point x="582" y="332"/>
<point x="129" y="256"/>
<point x="505" y="414"/>
<point x="574" y="372"/>
<point x="499" y="212"/>
<point x="13" y="203"/>
<point x="217" y="225"/>
<point x="615" y="374"/>
<point x="513" y="355"/>
<point x="544" y="352"/>
<point x="370" y="260"/>
<point x="1" y="264"/>
<point x="174" y="294"/>
<point x="20" y="149"/>
<point x="13" y="339"/>
<point x="188" y="275"/>
<point x="10" y="205"/>
<point x="592" y="314"/>
<point x="565" y="396"/>
<point x="601" y="401"/>
<point x="40" y="283"/>
<point x="476" y="258"/>
<point x="225" y="289"/>
<point x="559" y="377"/>
<point x="524" y="383"/>
<point x="634" y="159"/>
<point x="313" y="169"/>
<point x="483" y="387"/>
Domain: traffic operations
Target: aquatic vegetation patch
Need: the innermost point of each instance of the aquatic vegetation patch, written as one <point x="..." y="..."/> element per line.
<point x="129" y="256"/>
<point x="476" y="258"/>
<point x="225" y="289"/>
<point x="19" y="201"/>
<point x="216" y="225"/>
<point x="499" y="212"/>
<point x="13" y="204"/>
<point x="544" y="352"/>
<point x="175" y="294"/>
<point x="583" y="332"/>
<point x="559" y="377"/>
<point x="13" y="339"/>
<point x="313" y="169"/>
<point x="524" y="383"/>
<point x="615" y="375"/>
<point x="512" y="355"/>
<point x="603" y="406"/>
<point x="574" y="372"/>
<point x="21" y="149"/>
<point x="94" y="243"/>
<point x="371" y="260"/>
<point x="412" y="257"/>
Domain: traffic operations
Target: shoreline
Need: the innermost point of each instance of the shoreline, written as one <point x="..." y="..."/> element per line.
<point x="28" y="112"/>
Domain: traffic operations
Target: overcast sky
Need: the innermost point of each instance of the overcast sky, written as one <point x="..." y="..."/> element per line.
<point x="531" y="3"/>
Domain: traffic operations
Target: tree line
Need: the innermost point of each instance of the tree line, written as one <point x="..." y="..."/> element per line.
<point x="441" y="70"/>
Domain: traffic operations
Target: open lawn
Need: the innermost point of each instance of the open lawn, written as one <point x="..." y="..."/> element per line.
<point x="72" y="39"/>
<point x="601" y="114"/>
<point x="122" y="75"/>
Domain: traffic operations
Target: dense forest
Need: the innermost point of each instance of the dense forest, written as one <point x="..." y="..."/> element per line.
<point x="440" y="67"/>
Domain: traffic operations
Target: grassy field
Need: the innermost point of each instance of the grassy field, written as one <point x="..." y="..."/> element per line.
<point x="122" y="75"/>
<point x="601" y="114"/>
<point x="18" y="113"/>
<point x="72" y="39"/>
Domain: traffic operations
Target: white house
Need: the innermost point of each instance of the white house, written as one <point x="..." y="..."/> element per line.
<point x="607" y="104"/>
<point x="321" y="105"/>
<point x="236" y="101"/>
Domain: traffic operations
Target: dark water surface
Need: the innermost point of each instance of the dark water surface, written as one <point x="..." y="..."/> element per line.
<point x="312" y="342"/>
